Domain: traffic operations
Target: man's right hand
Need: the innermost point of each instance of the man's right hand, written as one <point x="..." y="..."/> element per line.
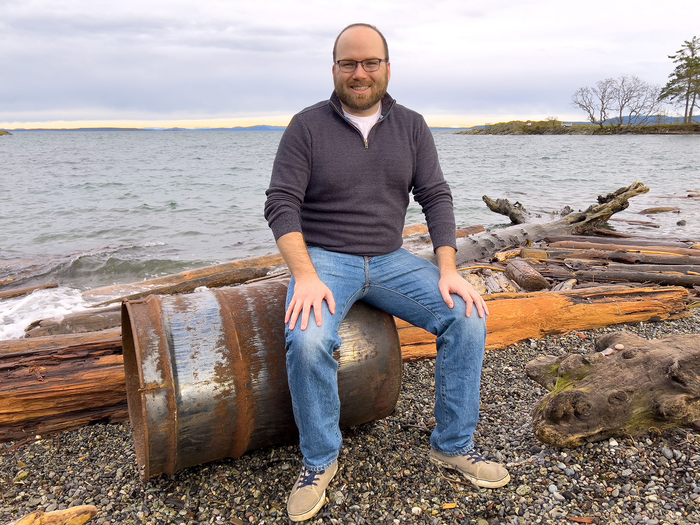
<point x="308" y="292"/>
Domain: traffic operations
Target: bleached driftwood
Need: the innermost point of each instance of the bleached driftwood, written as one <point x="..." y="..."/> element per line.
<point x="484" y="245"/>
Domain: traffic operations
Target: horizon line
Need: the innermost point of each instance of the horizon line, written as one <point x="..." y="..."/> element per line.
<point x="179" y="128"/>
<point x="146" y="128"/>
<point x="433" y="121"/>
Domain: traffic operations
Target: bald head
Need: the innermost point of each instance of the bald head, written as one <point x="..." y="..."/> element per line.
<point x="361" y="26"/>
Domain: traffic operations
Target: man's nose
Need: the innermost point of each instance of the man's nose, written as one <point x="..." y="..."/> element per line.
<point x="359" y="71"/>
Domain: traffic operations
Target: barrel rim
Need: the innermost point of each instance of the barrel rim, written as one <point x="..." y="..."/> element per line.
<point x="134" y="383"/>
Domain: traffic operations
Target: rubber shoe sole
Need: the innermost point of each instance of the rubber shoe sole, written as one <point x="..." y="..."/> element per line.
<point x="311" y="513"/>
<point x="444" y="461"/>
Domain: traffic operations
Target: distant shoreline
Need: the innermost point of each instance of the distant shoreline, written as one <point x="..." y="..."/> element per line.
<point x="558" y="128"/>
<point x="237" y="128"/>
<point x="502" y="128"/>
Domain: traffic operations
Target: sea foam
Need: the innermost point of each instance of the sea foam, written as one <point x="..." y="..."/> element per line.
<point x="16" y="314"/>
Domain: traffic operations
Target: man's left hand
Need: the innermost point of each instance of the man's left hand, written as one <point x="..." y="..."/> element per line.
<point x="453" y="283"/>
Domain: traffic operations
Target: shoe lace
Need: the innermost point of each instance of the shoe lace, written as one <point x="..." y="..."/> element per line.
<point x="474" y="455"/>
<point x="308" y="478"/>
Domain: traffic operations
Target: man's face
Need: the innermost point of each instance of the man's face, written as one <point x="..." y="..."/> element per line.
<point x="360" y="92"/>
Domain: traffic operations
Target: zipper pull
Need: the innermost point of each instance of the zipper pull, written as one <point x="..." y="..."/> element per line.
<point x="366" y="144"/>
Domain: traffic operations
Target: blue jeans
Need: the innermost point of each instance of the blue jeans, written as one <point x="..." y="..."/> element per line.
<point x="405" y="286"/>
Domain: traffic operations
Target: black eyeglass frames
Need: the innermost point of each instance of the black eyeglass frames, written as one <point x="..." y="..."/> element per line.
<point x="370" y="65"/>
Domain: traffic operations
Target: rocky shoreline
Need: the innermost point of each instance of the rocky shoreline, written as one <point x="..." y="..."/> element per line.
<point x="385" y="476"/>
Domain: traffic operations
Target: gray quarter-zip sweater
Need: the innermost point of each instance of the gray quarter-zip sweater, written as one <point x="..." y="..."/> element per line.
<point x="350" y="195"/>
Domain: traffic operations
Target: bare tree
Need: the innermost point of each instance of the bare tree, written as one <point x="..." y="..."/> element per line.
<point x="624" y="101"/>
<point x="645" y="106"/>
<point x="595" y="101"/>
<point x="636" y="99"/>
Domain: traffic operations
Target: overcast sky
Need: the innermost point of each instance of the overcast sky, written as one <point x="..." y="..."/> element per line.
<point x="232" y="62"/>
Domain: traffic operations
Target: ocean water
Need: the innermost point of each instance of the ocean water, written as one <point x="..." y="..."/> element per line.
<point x="92" y="208"/>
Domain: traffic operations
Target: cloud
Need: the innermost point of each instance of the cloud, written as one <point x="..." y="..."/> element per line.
<point x="80" y="59"/>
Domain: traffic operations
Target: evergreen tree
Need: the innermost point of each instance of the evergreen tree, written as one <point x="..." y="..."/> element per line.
<point x="683" y="86"/>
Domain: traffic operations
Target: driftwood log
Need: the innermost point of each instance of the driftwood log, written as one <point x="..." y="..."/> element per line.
<point x="516" y="317"/>
<point x="217" y="280"/>
<point x="78" y="515"/>
<point x="629" y="387"/>
<point x="484" y="245"/>
<point x="85" y="321"/>
<point x="630" y="241"/>
<point x="234" y="271"/>
<point x="526" y="276"/>
<point x="623" y="257"/>
<point x="516" y="212"/>
<point x="64" y="382"/>
<point x="688" y="269"/>
<point x="622" y="275"/>
<point x="658" y="249"/>
<point x="17" y="292"/>
<point x="61" y="383"/>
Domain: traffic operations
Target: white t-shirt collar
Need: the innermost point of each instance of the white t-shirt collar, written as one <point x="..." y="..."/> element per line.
<point x="364" y="124"/>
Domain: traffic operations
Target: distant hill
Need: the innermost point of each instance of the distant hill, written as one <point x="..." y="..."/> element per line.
<point x="76" y="129"/>
<point x="650" y="121"/>
<point x="237" y="128"/>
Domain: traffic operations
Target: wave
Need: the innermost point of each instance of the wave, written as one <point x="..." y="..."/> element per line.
<point x="91" y="269"/>
<point x="18" y="313"/>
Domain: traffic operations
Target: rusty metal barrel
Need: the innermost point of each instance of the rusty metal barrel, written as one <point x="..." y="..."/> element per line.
<point x="206" y="374"/>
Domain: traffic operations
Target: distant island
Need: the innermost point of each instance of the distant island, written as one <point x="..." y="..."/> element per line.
<point x="556" y="127"/>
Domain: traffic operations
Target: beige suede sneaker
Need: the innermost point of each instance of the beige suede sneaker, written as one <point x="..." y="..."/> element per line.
<point x="476" y="469"/>
<point x="309" y="493"/>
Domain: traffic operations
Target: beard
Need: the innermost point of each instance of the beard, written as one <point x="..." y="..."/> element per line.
<point x="361" y="101"/>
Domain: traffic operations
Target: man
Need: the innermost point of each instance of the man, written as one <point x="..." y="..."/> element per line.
<point x="336" y="204"/>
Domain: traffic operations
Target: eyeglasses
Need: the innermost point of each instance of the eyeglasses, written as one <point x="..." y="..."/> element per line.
<point x="370" y="65"/>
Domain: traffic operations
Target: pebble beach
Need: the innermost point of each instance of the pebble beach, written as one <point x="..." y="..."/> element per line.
<point x="385" y="476"/>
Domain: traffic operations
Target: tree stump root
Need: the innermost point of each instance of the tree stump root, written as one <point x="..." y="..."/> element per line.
<point x="627" y="387"/>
